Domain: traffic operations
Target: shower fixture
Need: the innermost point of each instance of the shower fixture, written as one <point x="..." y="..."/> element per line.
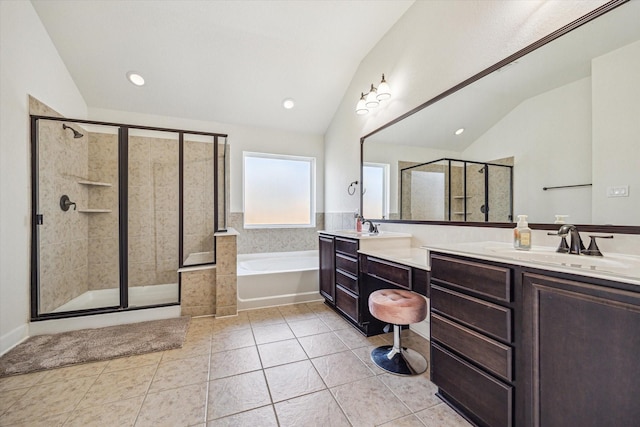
<point x="76" y="134"/>
<point x="66" y="203"/>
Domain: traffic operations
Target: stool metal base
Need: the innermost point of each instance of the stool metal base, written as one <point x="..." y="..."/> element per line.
<point x="403" y="362"/>
<point x="397" y="359"/>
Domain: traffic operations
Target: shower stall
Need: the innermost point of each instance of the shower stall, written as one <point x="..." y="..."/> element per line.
<point x="117" y="210"/>
<point x="457" y="190"/>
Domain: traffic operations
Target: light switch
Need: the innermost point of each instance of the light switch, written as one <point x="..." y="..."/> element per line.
<point x="619" y="191"/>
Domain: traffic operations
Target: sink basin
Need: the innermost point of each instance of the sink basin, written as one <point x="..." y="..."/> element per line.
<point x="358" y="233"/>
<point x="549" y="256"/>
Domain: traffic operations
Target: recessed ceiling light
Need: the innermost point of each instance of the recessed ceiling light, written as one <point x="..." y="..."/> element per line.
<point x="288" y="103"/>
<point x="459" y="131"/>
<point x="135" y="78"/>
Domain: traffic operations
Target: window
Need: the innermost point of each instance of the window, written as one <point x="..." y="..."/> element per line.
<point x="375" y="197"/>
<point x="279" y="191"/>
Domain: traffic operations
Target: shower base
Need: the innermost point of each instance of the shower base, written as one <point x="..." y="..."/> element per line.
<point x="139" y="296"/>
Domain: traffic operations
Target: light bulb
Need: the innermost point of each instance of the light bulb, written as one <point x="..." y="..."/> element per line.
<point x="384" y="91"/>
<point x="361" y="108"/>
<point x="135" y="78"/>
<point x="371" y="101"/>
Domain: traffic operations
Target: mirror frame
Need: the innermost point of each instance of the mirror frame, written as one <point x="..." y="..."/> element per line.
<point x="621" y="229"/>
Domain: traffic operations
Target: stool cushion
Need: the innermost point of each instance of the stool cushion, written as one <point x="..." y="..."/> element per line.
<point x="398" y="307"/>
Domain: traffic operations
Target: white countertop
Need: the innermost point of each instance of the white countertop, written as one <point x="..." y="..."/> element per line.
<point x="364" y="235"/>
<point x="412" y="257"/>
<point x="612" y="266"/>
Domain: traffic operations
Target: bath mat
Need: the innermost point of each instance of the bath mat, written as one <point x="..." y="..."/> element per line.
<point x="91" y="345"/>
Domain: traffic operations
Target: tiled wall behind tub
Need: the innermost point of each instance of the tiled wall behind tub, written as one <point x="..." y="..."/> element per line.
<point x="340" y="221"/>
<point x="261" y="240"/>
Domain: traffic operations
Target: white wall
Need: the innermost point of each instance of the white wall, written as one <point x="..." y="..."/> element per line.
<point x="434" y="46"/>
<point x="616" y="145"/>
<point x="380" y="153"/>
<point x="549" y="136"/>
<point x="29" y="65"/>
<point x="241" y="138"/>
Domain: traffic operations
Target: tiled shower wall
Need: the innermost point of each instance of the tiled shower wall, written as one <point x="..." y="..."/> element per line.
<point x="263" y="240"/>
<point x="103" y="227"/>
<point x="63" y="235"/>
<point x="198" y="197"/>
<point x="153" y="211"/>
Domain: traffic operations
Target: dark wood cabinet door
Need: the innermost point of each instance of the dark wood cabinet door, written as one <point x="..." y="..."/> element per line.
<point x="581" y="352"/>
<point x="327" y="268"/>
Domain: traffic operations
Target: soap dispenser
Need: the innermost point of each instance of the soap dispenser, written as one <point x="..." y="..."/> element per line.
<point x="522" y="234"/>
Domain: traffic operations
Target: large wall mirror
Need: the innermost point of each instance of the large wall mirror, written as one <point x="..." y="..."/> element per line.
<point x="552" y="130"/>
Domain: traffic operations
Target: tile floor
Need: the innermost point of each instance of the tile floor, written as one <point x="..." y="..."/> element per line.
<point x="295" y="365"/>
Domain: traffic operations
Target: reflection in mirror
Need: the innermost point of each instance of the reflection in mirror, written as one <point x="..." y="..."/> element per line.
<point x="566" y="114"/>
<point x="456" y="190"/>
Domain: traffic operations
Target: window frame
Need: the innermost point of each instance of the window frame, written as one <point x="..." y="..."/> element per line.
<point x="312" y="188"/>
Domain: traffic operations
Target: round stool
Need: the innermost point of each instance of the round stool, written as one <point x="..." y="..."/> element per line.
<point x="398" y="307"/>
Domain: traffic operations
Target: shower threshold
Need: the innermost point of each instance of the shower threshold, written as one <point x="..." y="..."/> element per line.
<point x="139" y="296"/>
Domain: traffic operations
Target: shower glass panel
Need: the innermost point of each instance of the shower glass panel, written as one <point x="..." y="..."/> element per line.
<point x="76" y="205"/>
<point x="456" y="190"/>
<point x="423" y="188"/>
<point x="223" y="183"/>
<point x="199" y="200"/>
<point x="500" y="194"/>
<point x="477" y="206"/>
<point x="153" y="217"/>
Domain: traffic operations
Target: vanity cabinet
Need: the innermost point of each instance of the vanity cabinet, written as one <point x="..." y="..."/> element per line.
<point x="472" y="337"/>
<point x="581" y="352"/>
<point x="524" y="346"/>
<point x="339" y="275"/>
<point x="327" y="255"/>
<point x="347" y="278"/>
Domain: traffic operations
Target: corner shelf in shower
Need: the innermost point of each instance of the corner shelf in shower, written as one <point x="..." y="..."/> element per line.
<point x="94" y="210"/>
<point x="95" y="183"/>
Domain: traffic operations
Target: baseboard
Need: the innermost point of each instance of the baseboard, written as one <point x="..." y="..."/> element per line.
<point x="423" y="329"/>
<point x="13" y="338"/>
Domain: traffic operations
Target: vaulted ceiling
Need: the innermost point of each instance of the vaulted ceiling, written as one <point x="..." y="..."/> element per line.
<point x="223" y="61"/>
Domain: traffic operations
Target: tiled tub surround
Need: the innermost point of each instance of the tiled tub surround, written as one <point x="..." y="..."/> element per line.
<point x="198" y="291"/>
<point x="226" y="282"/>
<point x="259" y="240"/>
<point x="297" y="365"/>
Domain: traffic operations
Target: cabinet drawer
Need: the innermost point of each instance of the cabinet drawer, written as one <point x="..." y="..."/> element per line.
<point x="486" y="317"/>
<point x="488" y="280"/>
<point x="347" y="281"/>
<point x="348" y="264"/>
<point x="484" y="351"/>
<point x="347" y="303"/>
<point x="396" y="274"/>
<point x="487" y="398"/>
<point x="347" y="246"/>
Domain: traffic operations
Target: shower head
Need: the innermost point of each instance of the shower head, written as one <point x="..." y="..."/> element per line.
<point x="481" y="170"/>
<point x="76" y="134"/>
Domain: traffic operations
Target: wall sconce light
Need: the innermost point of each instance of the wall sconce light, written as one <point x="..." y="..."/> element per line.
<point x="373" y="98"/>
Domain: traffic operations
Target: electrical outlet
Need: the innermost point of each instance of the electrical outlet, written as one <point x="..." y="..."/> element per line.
<point x="619" y="191"/>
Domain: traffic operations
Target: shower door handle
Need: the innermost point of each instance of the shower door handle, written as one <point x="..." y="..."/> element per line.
<point x="39" y="219"/>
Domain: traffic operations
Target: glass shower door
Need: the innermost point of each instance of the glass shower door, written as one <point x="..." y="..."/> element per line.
<point x="153" y="206"/>
<point x="76" y="224"/>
